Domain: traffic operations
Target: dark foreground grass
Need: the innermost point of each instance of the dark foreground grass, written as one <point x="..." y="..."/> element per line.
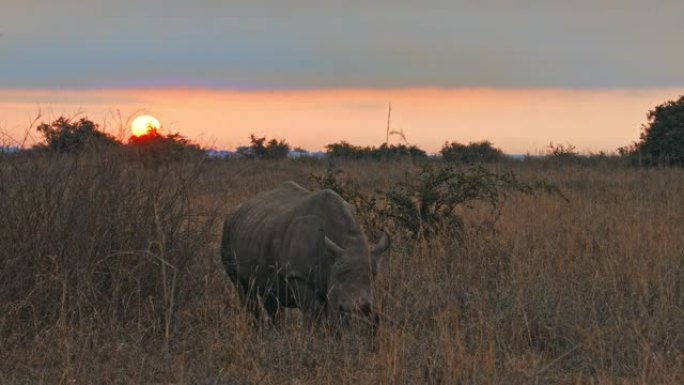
<point x="109" y="273"/>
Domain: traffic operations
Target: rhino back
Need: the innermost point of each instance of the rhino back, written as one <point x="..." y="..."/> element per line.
<point x="254" y="232"/>
<point x="337" y="217"/>
<point x="251" y="230"/>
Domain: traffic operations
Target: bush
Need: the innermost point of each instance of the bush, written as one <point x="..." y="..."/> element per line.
<point x="154" y="148"/>
<point x="472" y="153"/>
<point x="427" y="202"/>
<point x="260" y="148"/>
<point x="397" y="151"/>
<point x="562" y="152"/>
<point x="344" y="150"/>
<point x="662" y="139"/>
<point x="65" y="136"/>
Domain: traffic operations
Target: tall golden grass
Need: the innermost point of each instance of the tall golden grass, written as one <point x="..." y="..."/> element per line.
<point x="109" y="273"/>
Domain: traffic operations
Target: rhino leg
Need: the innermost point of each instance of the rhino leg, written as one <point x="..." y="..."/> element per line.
<point x="276" y="297"/>
<point x="249" y="297"/>
<point x="304" y="297"/>
<point x="257" y="299"/>
<point x="272" y="306"/>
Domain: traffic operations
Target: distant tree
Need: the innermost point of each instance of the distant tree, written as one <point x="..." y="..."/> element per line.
<point x="277" y="149"/>
<point x="244" y="151"/>
<point x="561" y="151"/>
<point x="345" y="150"/>
<point x="473" y="152"/>
<point x="261" y="148"/>
<point x="396" y="151"/>
<point x="384" y="152"/>
<point x="257" y="148"/>
<point x="155" y="148"/>
<point x="65" y="136"/>
<point x="662" y="139"/>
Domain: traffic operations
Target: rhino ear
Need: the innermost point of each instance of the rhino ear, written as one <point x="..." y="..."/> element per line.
<point x="380" y="247"/>
<point x="335" y="250"/>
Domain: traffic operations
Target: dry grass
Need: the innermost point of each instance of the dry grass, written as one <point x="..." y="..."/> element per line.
<point x="109" y="273"/>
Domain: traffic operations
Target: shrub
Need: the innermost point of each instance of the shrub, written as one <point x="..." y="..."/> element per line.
<point x="260" y="148"/>
<point x="344" y="150"/>
<point x="562" y="152"/>
<point x="662" y="139"/>
<point x="473" y="152"/>
<point x="426" y="203"/>
<point x="65" y="136"/>
<point x="397" y="151"/>
<point x="154" y="148"/>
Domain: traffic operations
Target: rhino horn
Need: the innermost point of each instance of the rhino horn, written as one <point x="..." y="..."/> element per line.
<point x="334" y="249"/>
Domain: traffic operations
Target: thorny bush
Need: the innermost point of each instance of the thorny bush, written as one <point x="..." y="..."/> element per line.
<point x="427" y="201"/>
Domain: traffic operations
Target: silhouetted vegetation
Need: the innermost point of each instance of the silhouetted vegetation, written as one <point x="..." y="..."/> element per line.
<point x="473" y="152"/>
<point x="562" y="151"/>
<point x="344" y="150"/>
<point x="662" y="139"/>
<point x="66" y="136"/>
<point x="261" y="148"/>
<point x="155" y="148"/>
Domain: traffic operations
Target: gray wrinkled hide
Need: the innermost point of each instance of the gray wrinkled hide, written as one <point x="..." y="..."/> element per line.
<point x="295" y="248"/>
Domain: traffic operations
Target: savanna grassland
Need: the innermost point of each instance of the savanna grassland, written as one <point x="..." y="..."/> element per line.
<point x="110" y="273"/>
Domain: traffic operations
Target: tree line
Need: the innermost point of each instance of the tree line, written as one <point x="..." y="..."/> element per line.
<point x="64" y="135"/>
<point x="660" y="143"/>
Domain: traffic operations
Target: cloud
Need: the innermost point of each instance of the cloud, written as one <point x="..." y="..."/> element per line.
<point x="74" y="98"/>
<point x="306" y="44"/>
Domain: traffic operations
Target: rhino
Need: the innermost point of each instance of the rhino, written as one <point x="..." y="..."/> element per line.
<point x="290" y="247"/>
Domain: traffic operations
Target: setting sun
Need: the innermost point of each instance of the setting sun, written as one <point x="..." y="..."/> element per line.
<point x="143" y="124"/>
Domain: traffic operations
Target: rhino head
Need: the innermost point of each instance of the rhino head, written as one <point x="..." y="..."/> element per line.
<point x="336" y="282"/>
<point x="350" y="291"/>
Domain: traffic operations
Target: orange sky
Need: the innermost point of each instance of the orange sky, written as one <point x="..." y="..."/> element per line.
<point x="516" y="120"/>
